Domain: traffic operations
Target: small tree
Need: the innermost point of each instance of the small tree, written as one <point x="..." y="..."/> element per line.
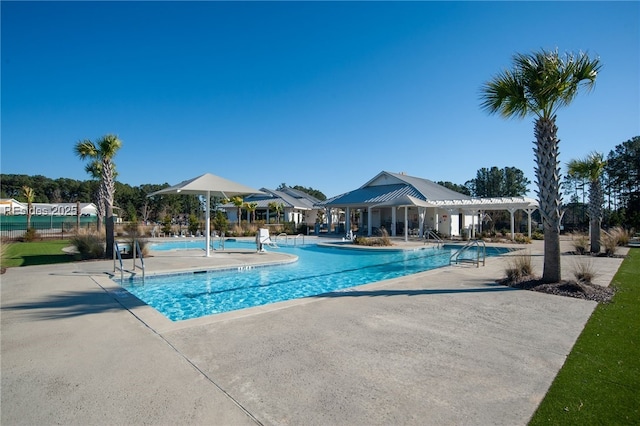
<point x="591" y="168"/>
<point x="238" y="202"/>
<point x="102" y="153"/>
<point x="29" y="195"/>
<point x="251" y="208"/>
<point x="166" y="225"/>
<point x="277" y="207"/>
<point x="194" y="224"/>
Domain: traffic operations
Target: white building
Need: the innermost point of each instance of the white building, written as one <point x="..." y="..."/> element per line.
<point x="407" y="205"/>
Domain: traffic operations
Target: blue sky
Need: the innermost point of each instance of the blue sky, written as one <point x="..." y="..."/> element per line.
<point x="322" y="94"/>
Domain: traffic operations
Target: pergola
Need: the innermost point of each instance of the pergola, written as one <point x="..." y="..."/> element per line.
<point x="477" y="206"/>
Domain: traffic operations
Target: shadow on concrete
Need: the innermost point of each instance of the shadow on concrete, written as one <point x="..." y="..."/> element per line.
<point x="420" y="292"/>
<point x="73" y="304"/>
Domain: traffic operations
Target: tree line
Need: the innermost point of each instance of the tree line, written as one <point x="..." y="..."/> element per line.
<point x="620" y="182"/>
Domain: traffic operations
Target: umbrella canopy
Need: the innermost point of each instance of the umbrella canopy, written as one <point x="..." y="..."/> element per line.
<point x="208" y="185"/>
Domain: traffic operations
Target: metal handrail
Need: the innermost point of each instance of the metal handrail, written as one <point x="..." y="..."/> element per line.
<point x="295" y="240"/>
<point x="138" y="251"/>
<point x="286" y="238"/>
<point x="481" y="248"/>
<point x="435" y="236"/>
<point x="116" y="252"/>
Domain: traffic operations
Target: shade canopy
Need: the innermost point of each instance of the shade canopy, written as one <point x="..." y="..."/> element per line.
<point x="208" y="185"/>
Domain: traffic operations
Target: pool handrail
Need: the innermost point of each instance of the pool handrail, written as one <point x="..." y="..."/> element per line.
<point x="431" y="234"/>
<point x="116" y="253"/>
<point x="137" y="251"/>
<point x="286" y="238"/>
<point x="481" y="248"/>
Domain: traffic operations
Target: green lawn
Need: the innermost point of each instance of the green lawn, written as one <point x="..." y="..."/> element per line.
<point x="35" y="253"/>
<point x="599" y="383"/>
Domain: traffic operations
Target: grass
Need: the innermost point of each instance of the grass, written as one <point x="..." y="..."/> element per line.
<point x="35" y="253"/>
<point x="599" y="383"/>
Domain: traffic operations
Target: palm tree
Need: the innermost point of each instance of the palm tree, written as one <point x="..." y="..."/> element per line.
<point x="591" y="169"/>
<point x="29" y="195"/>
<point x="251" y="208"/>
<point x="238" y="202"/>
<point x="102" y="153"/>
<point x="274" y="205"/>
<point x="539" y="84"/>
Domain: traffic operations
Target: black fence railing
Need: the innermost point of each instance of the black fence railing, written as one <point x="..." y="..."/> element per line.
<point x="14" y="228"/>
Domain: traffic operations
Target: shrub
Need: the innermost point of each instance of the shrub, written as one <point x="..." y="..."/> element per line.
<point x="584" y="271"/>
<point x="30" y="235"/>
<point x="537" y="235"/>
<point x="166" y="225"/>
<point x="89" y="245"/>
<point x="220" y="222"/>
<point x="609" y="241"/>
<point x="142" y="242"/>
<point x="381" y="241"/>
<point x="250" y="229"/>
<point x="622" y="235"/>
<point x="580" y="243"/>
<point x="194" y="224"/>
<point x="519" y="267"/>
<point x="522" y="239"/>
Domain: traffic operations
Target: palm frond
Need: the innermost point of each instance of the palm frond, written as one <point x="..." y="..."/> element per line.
<point x="109" y="145"/>
<point x="85" y="149"/>
<point x="539" y="83"/>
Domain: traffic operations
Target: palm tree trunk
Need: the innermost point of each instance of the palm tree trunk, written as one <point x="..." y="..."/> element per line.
<point x="547" y="173"/>
<point x="108" y="186"/>
<point x="596" y="199"/>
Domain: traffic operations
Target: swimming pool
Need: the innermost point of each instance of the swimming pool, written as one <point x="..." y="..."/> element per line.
<point x="318" y="270"/>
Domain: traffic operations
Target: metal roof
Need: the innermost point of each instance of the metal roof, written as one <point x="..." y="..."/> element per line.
<point x="371" y="195"/>
<point x="400" y="187"/>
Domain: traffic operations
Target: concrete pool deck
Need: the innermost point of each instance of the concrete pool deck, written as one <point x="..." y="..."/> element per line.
<point x="447" y="346"/>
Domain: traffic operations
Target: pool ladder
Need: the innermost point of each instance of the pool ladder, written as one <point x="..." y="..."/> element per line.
<point x="286" y="238"/>
<point x="117" y="255"/>
<point x="481" y="253"/>
<point x="432" y="235"/>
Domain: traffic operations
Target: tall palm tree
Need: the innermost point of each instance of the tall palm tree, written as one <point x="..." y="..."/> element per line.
<point x="591" y="169"/>
<point x="102" y="153"/>
<point x="30" y="196"/>
<point x="539" y="84"/>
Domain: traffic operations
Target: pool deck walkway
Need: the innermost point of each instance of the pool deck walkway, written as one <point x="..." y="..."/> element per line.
<point x="448" y="346"/>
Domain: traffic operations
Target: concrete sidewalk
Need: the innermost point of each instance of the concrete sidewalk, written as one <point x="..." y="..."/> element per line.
<point x="448" y="346"/>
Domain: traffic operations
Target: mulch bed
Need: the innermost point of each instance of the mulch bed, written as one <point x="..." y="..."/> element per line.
<point x="579" y="290"/>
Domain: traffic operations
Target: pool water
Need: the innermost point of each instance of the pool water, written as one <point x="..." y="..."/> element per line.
<point x="318" y="270"/>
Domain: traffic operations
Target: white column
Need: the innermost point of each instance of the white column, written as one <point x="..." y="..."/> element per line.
<point x="347" y="220"/>
<point x="369" y="219"/>
<point x="450" y="211"/>
<point x="393" y="221"/>
<point x="406" y="228"/>
<point x="421" y="215"/>
<point x="511" y="212"/>
<point x="529" y="213"/>
<point x="207" y="225"/>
